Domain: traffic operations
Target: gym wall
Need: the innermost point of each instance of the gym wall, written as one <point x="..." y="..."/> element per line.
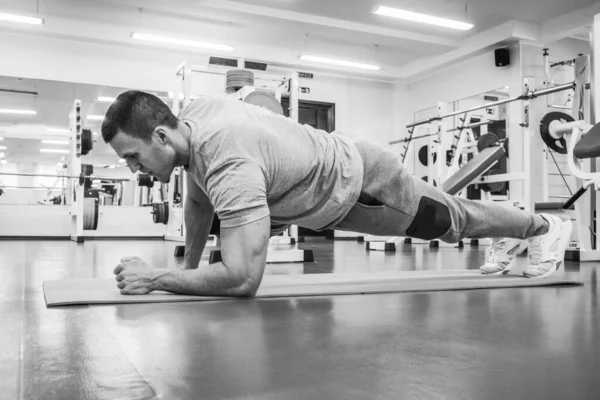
<point x="468" y="78"/>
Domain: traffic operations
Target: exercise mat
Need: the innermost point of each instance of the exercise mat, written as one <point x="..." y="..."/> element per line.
<point x="105" y="291"/>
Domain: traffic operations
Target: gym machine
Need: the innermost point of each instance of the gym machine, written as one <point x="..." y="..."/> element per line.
<point x="478" y="170"/>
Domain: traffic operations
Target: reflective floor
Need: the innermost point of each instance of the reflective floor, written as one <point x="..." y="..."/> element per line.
<point x="534" y="343"/>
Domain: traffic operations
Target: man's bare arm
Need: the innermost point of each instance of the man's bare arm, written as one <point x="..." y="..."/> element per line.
<point x="198" y="215"/>
<point x="244" y="251"/>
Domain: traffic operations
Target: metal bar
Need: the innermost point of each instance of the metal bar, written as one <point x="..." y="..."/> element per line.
<point x="593" y="209"/>
<point x="575" y="197"/>
<point x="475" y="125"/>
<point x="410" y="139"/>
<point x="530" y="95"/>
<point x="33" y="187"/>
<point x="536" y="93"/>
<point x="66" y="176"/>
<point x="566" y="62"/>
<point x="561" y="107"/>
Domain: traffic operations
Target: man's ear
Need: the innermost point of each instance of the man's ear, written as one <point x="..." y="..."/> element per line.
<point x="160" y="134"/>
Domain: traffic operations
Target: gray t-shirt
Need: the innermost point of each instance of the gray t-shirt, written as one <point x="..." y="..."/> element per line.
<point x="253" y="163"/>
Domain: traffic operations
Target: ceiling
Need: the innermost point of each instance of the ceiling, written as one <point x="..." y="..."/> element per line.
<point x="278" y="31"/>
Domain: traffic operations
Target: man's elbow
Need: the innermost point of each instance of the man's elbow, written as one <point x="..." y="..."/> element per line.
<point x="248" y="288"/>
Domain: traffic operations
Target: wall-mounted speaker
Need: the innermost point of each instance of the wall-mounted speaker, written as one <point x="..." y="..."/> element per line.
<point x="502" y="57"/>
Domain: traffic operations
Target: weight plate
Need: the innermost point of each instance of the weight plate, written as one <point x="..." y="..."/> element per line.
<point x="144" y="180"/>
<point x="487" y="140"/>
<point x="423" y="155"/>
<point x="426" y="179"/>
<point x="266" y="100"/>
<point x="87" y="169"/>
<point x="87" y="141"/>
<point x="160" y="213"/>
<point x="550" y="121"/>
<point x="90" y="214"/>
<point x="238" y="78"/>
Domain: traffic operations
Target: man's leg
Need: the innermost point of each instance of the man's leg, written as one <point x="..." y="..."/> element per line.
<point x="394" y="202"/>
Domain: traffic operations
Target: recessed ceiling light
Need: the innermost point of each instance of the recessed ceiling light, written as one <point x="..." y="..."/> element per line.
<point x="55" y="142"/>
<point x="423" y="18"/>
<point x="61" y="151"/>
<point x="21" y="19"/>
<point x="104" y="99"/>
<point x="22" y="112"/>
<point x="3" y="161"/>
<point x="181" y="42"/>
<point x="343" y="63"/>
<point x="2" y="155"/>
<point x="58" y="130"/>
<point x="121" y="160"/>
<point x="2" y="147"/>
<point x="1" y="138"/>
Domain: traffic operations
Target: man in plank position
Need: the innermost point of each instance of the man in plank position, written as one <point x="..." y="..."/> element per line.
<point x="261" y="172"/>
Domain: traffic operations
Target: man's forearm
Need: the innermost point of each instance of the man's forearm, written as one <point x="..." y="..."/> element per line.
<point x="211" y="280"/>
<point x="198" y="220"/>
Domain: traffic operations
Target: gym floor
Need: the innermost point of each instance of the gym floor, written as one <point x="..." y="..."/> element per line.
<point x="534" y="343"/>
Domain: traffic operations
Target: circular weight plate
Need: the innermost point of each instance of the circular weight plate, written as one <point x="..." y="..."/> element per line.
<point x="160" y="213"/>
<point x="550" y="121"/>
<point x="423" y="155"/>
<point x="90" y="214"/>
<point x="426" y="179"/>
<point x="165" y="213"/>
<point x="494" y="186"/>
<point x="266" y="100"/>
<point x="87" y="141"/>
<point x="487" y="140"/>
<point x="145" y="180"/>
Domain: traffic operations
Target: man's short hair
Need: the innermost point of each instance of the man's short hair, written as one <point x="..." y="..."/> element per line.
<point x="137" y="114"/>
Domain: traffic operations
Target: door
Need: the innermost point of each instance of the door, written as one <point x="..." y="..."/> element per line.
<point x="319" y="115"/>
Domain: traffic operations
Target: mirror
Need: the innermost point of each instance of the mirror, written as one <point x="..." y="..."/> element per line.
<point x="35" y="139"/>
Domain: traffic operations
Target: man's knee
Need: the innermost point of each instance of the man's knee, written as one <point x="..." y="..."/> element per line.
<point x="432" y="220"/>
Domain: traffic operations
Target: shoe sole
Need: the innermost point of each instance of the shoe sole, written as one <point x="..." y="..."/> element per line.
<point x="501" y="272"/>
<point x="562" y="249"/>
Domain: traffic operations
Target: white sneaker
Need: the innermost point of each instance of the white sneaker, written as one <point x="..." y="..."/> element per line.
<point x="547" y="252"/>
<point x="501" y="255"/>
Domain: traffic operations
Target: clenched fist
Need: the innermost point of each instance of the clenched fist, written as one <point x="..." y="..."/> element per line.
<point x="134" y="276"/>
